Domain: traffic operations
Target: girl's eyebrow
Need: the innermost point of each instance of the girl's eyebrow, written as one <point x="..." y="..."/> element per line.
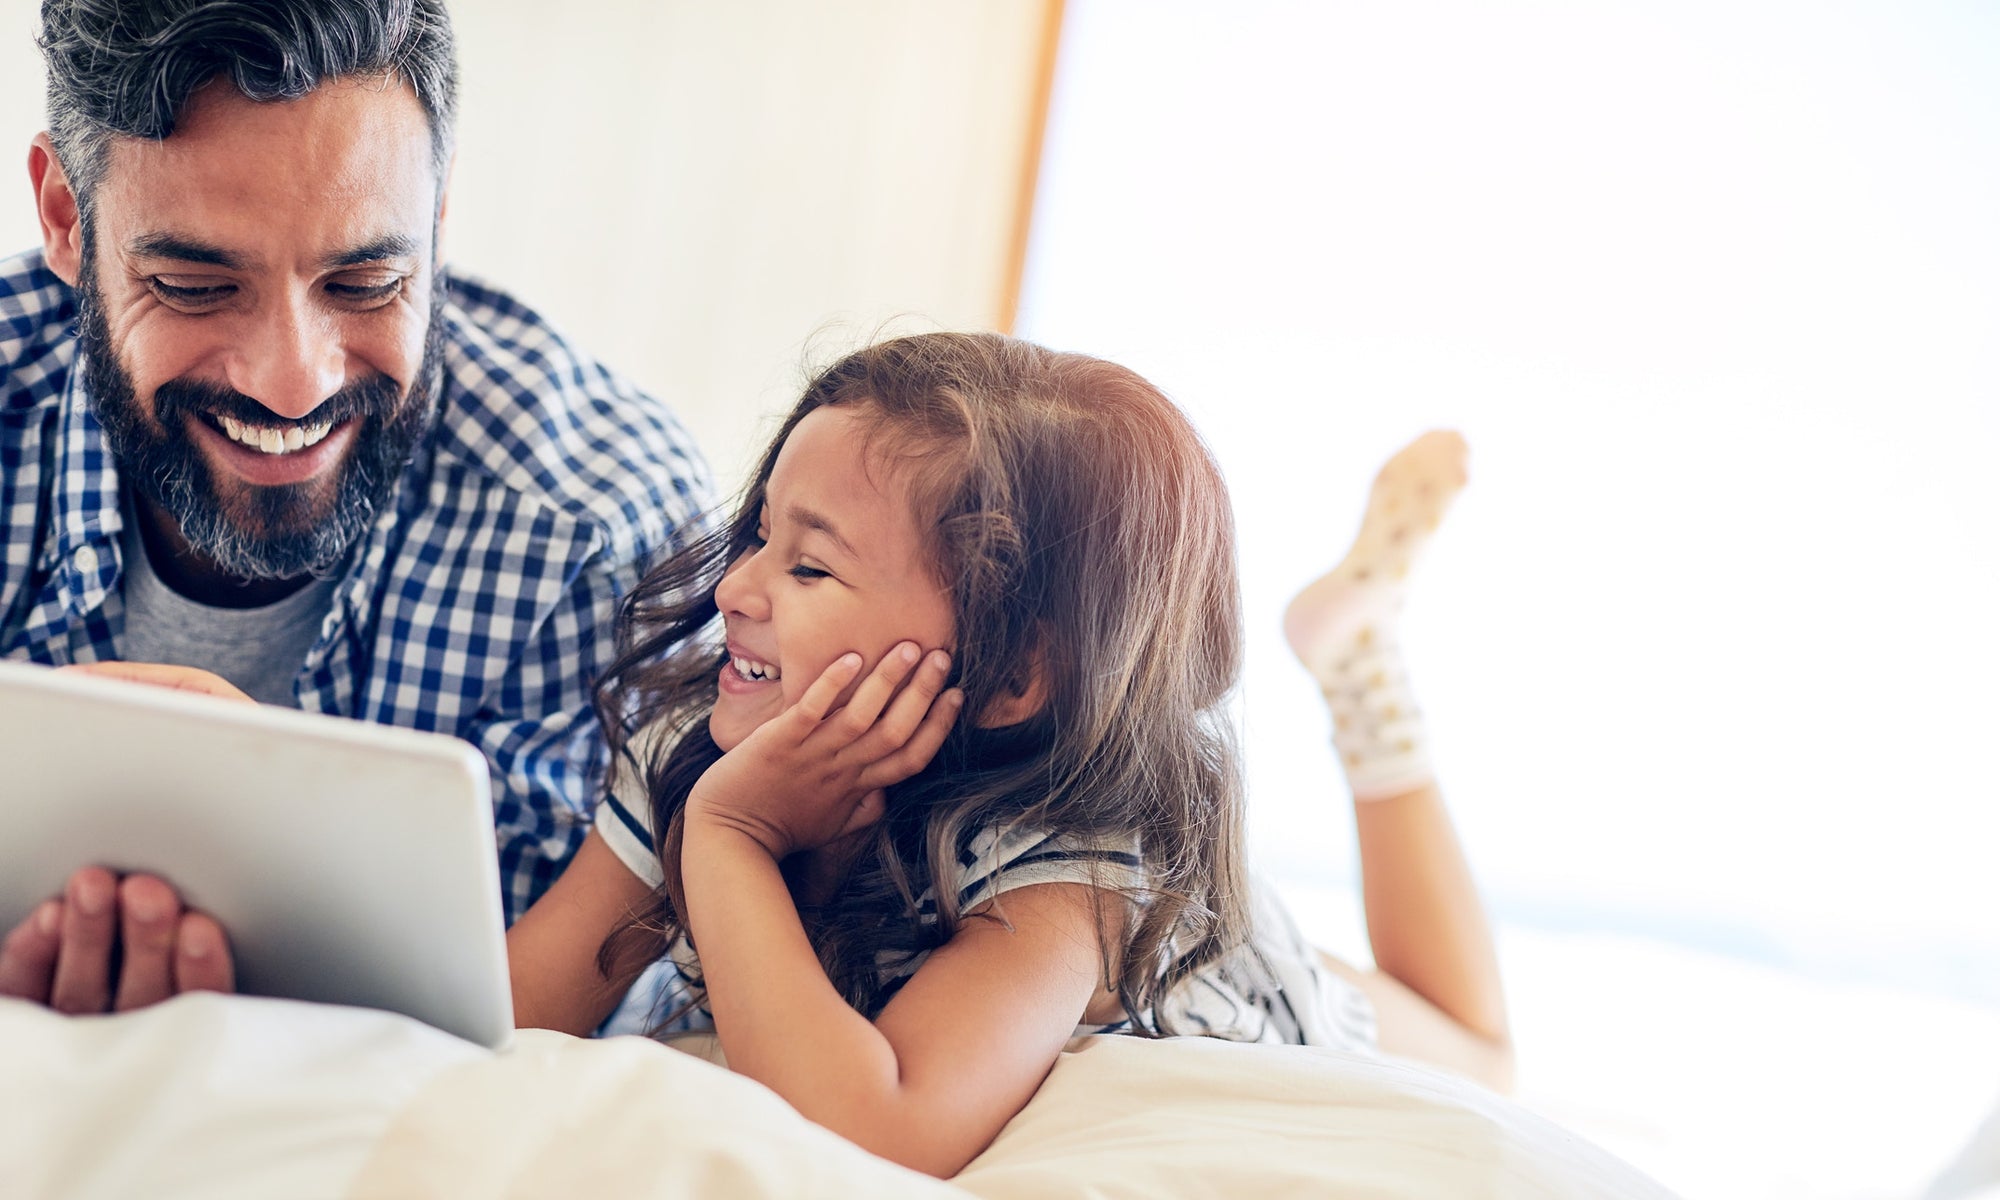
<point x="812" y="519"/>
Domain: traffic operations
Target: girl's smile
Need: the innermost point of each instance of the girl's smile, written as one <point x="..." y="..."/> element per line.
<point x="840" y="565"/>
<point x="742" y="671"/>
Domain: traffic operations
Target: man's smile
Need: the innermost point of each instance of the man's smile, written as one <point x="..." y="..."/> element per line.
<point x="273" y="439"/>
<point x="273" y="456"/>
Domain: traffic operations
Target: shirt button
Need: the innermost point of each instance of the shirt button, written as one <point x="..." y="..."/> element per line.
<point x="86" y="560"/>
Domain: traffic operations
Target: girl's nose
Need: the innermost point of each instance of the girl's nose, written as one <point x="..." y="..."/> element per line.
<point x="741" y="590"/>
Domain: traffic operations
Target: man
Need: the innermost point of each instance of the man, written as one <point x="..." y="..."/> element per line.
<point x="249" y="423"/>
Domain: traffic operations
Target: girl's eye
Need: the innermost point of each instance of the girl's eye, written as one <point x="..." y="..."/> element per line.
<point x="803" y="571"/>
<point x="200" y="296"/>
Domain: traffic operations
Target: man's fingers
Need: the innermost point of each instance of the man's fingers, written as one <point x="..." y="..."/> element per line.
<point x="915" y="754"/>
<point x="180" y="679"/>
<point x="28" y="956"/>
<point x="62" y="954"/>
<point x="149" y="919"/>
<point x="89" y="927"/>
<point x="202" y="962"/>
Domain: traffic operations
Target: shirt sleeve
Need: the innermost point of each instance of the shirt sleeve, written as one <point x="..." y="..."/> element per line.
<point x="539" y="732"/>
<point x="1000" y="860"/>
<point x="625" y="819"/>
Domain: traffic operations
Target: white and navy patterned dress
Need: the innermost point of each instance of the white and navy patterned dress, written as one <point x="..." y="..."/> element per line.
<point x="1275" y="990"/>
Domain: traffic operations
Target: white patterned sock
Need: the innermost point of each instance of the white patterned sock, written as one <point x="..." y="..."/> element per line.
<point x="1343" y="626"/>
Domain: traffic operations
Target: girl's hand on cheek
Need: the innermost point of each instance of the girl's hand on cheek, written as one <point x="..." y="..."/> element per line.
<point x="815" y="773"/>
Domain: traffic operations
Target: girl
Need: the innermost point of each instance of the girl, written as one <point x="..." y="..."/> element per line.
<point x="923" y="765"/>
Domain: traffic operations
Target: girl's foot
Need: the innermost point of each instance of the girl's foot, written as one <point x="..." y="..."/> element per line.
<point x="1409" y="499"/>
<point x="1343" y="625"/>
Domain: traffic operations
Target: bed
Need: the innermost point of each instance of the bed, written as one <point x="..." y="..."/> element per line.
<point x="232" y="1096"/>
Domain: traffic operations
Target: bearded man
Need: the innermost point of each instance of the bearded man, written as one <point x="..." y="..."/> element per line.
<point x="250" y="423"/>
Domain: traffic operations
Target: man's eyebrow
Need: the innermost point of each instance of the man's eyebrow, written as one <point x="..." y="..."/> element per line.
<point x="394" y="245"/>
<point x="814" y="520"/>
<point x="181" y="249"/>
<point x="184" y="249"/>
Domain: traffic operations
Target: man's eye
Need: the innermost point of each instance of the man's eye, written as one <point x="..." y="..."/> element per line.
<point x="199" y="296"/>
<point x="803" y="571"/>
<point x="367" y="295"/>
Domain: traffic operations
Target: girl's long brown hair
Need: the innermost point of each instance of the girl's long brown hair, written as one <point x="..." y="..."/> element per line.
<point x="1078" y="523"/>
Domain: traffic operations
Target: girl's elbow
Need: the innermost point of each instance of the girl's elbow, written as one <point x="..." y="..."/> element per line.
<point x="1496" y="1064"/>
<point x="939" y="1162"/>
<point x="919" y="1140"/>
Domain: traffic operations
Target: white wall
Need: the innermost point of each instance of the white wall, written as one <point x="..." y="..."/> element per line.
<point x="694" y="190"/>
<point x="20" y="117"/>
<point x="700" y="187"/>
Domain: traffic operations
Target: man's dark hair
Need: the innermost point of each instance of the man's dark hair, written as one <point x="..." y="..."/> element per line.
<point x="126" y="67"/>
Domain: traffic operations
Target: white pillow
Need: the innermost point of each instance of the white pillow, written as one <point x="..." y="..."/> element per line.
<point x="1121" y="1116"/>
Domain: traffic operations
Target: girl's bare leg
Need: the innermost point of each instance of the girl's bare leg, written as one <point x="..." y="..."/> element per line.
<point x="1436" y="982"/>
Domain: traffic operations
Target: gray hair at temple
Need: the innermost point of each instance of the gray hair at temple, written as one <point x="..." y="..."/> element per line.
<point x="126" y="67"/>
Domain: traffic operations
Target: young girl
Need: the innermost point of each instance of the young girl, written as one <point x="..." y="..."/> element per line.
<point x="923" y="763"/>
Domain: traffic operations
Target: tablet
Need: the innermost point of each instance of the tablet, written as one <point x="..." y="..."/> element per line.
<point x="349" y="863"/>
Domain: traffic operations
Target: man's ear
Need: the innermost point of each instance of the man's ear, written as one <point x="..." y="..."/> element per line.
<point x="1024" y="697"/>
<point x="55" y="203"/>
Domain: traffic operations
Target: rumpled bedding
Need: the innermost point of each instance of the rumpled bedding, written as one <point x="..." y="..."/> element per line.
<point x="231" y="1096"/>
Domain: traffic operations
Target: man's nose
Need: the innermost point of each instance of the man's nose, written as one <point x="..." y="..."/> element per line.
<point x="294" y="359"/>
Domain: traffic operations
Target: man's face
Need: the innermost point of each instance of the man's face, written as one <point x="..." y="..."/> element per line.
<point x="260" y="318"/>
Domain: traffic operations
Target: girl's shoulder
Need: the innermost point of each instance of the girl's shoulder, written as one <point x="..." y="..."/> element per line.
<point x="1002" y="858"/>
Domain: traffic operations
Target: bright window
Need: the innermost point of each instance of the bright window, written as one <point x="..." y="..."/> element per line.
<point x="1708" y="644"/>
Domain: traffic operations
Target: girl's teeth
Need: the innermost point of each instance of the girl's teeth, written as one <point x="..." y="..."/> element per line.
<point x="755" y="671"/>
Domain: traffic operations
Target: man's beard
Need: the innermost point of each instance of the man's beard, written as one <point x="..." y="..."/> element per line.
<point x="281" y="532"/>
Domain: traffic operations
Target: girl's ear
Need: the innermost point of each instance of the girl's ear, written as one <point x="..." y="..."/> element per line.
<point x="1026" y="693"/>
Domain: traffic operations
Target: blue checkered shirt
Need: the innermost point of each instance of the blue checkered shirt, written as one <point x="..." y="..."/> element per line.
<point x="480" y="604"/>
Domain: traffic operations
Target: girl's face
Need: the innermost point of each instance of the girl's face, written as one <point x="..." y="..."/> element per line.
<point x="840" y="566"/>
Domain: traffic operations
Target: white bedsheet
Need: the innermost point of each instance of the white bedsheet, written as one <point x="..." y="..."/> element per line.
<point x="215" y="1096"/>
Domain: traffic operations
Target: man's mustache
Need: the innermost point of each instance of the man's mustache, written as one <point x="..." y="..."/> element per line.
<point x="375" y="396"/>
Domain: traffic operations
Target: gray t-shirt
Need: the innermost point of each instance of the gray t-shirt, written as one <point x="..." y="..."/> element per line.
<point x="258" y="649"/>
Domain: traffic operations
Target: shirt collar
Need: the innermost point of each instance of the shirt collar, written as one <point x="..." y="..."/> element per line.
<point x="82" y="556"/>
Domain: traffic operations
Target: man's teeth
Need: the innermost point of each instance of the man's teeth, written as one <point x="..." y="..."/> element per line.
<point x="271" y="440"/>
<point x="750" y="668"/>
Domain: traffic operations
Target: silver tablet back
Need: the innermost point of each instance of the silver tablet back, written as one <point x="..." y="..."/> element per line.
<point x="349" y="863"/>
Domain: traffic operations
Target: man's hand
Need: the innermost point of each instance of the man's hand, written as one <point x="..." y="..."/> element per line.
<point x="67" y="952"/>
<point x="179" y="679"/>
<point x="63" y="954"/>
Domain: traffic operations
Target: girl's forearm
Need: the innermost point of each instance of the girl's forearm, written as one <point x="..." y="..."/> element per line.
<point x="552" y="950"/>
<point x="781" y="1022"/>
